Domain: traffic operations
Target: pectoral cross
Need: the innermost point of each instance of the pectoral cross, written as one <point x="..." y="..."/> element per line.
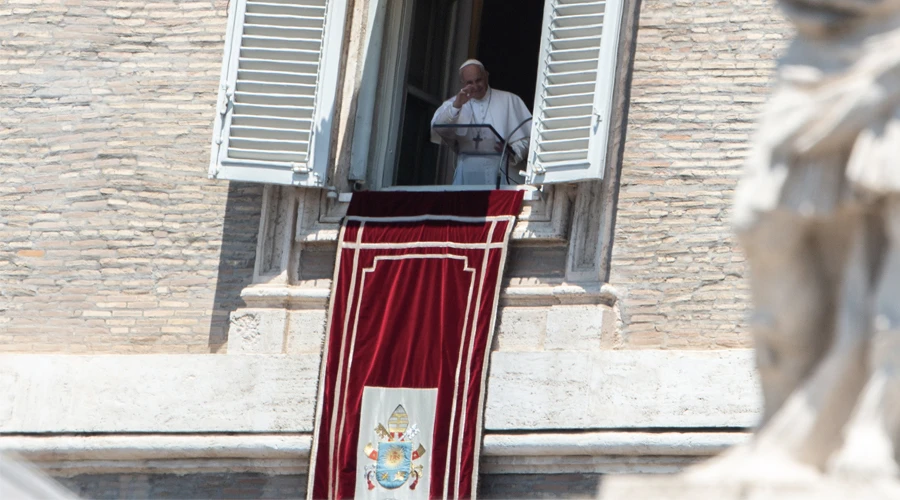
<point x="477" y="140"/>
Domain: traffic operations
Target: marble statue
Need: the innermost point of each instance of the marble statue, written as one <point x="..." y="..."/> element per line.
<point x="818" y="215"/>
<point x="22" y="481"/>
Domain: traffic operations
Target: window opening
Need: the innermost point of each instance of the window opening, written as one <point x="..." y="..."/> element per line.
<point x="507" y="37"/>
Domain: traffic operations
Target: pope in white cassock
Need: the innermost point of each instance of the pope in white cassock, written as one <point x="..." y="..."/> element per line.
<point x="478" y="103"/>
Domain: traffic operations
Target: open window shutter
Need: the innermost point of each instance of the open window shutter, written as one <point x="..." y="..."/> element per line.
<point x="277" y="93"/>
<point x="573" y="99"/>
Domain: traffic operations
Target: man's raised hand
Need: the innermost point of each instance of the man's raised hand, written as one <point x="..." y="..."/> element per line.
<point x="462" y="97"/>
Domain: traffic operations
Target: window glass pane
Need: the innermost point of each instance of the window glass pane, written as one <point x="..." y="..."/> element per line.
<point x="418" y="163"/>
<point x="421" y="44"/>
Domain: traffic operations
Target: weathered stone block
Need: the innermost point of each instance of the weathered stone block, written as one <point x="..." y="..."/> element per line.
<point x="621" y="389"/>
<point x="306" y="331"/>
<point x="575" y="327"/>
<point x="257" y="331"/>
<point x="157" y="393"/>
<point x="521" y="329"/>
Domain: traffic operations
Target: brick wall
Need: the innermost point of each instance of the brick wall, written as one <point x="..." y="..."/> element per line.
<point x="702" y="69"/>
<point x="111" y="237"/>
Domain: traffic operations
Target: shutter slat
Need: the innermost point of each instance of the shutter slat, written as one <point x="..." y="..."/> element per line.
<point x="311" y="3"/>
<point x="272" y="122"/>
<point x="563" y="133"/>
<point x="580" y="32"/>
<point x="259" y="154"/>
<point x="274" y="99"/>
<point x="277" y="77"/>
<point x="581" y="8"/>
<point x="578" y="66"/>
<point x="285" y="9"/>
<point x="282" y="32"/>
<point x="562" y="4"/>
<point x="569" y="99"/>
<point x="567" y="122"/>
<point x="578" y="110"/>
<point x="576" y="54"/>
<point x="283" y="21"/>
<point x="558" y="80"/>
<point x="567" y="144"/>
<point x="273" y="133"/>
<point x="272" y="144"/>
<point x="574" y="43"/>
<point x="564" y="159"/>
<point x="275" y="88"/>
<point x="302" y="68"/>
<point x="280" y="54"/>
<point x="564" y="23"/>
<point x="568" y="89"/>
<point x="274" y="42"/>
<point x="264" y="110"/>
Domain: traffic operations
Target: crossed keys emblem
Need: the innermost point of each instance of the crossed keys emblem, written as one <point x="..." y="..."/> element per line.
<point x="394" y="456"/>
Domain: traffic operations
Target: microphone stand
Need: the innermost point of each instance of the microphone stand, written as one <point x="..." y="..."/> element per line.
<point x="505" y="146"/>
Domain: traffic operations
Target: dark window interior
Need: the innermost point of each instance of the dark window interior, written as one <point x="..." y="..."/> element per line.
<point x="508" y="44"/>
<point x="417" y="163"/>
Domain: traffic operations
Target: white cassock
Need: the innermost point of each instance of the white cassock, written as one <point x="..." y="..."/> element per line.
<point x="502" y="110"/>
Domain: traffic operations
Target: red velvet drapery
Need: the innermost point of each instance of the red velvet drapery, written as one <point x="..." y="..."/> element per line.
<point x="412" y="313"/>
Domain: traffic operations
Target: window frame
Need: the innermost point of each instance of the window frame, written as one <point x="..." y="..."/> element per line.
<point x="546" y="208"/>
<point x="382" y="125"/>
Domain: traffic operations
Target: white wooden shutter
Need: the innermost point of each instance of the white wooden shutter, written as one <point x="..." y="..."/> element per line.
<point x="277" y="93"/>
<point x="573" y="99"/>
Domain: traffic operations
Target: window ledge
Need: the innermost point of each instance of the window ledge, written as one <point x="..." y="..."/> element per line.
<point x="686" y="442"/>
<point x="288" y="453"/>
<point x="306" y="297"/>
<point x="564" y="294"/>
<point x="544" y="216"/>
<point x="532" y="193"/>
<point x="303" y="297"/>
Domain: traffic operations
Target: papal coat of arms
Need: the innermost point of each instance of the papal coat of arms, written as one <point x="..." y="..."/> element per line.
<point x="394" y="456"/>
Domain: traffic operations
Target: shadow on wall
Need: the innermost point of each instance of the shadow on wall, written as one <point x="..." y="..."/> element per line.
<point x="187" y="486"/>
<point x="236" y="257"/>
<point x="522" y="486"/>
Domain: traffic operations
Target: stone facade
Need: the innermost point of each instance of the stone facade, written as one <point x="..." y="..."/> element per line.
<point x="112" y="241"/>
<point x="111" y="237"/>
<point x="701" y="71"/>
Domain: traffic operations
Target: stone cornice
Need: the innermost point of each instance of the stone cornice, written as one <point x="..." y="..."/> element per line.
<point x="267" y="295"/>
<point x="288" y="453"/>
